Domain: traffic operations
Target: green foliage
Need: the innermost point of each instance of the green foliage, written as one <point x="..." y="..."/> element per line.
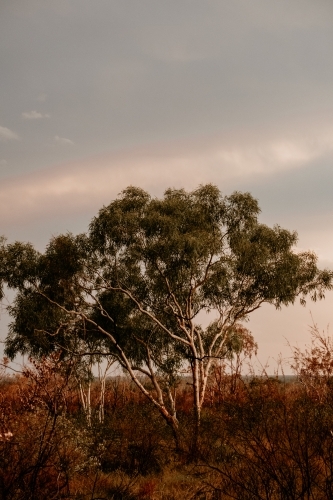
<point x="134" y="285"/>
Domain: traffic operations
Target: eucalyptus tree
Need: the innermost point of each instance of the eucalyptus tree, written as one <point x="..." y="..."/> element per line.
<point x="136" y="284"/>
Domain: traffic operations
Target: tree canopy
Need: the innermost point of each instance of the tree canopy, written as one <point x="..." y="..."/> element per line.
<point x="134" y="286"/>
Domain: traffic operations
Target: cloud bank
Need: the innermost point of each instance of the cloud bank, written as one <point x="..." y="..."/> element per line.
<point x="92" y="182"/>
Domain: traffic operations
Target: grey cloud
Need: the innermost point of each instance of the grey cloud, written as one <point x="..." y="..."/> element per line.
<point x="63" y="140"/>
<point x="7" y="135"/>
<point x="41" y="98"/>
<point x="34" y="115"/>
<point x="119" y="74"/>
<point x="296" y="193"/>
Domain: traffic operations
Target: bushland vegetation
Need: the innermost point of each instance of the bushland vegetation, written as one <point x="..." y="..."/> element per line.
<point x="181" y="420"/>
<point x="261" y="436"/>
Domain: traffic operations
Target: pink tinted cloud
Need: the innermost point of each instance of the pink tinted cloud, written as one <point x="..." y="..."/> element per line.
<point x="88" y="184"/>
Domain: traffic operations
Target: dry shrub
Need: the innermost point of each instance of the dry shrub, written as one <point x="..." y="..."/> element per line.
<point x="261" y="438"/>
<point x="314" y="366"/>
<point x="274" y="443"/>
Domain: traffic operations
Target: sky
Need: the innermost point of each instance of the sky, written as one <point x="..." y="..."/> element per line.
<point x="98" y="95"/>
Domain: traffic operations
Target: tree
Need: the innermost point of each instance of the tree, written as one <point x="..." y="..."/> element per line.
<point x="135" y="285"/>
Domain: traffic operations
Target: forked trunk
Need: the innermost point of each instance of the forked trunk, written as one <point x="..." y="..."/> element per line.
<point x="173" y="423"/>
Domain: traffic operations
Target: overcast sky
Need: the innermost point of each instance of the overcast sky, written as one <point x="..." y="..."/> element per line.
<point x="100" y="94"/>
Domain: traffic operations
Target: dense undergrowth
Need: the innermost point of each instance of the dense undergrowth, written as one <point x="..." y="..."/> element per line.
<point x="261" y="437"/>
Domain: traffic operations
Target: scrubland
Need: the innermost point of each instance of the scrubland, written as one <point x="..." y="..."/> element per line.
<point x="261" y="437"/>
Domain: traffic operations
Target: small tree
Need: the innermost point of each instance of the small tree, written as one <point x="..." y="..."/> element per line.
<point x="137" y="282"/>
